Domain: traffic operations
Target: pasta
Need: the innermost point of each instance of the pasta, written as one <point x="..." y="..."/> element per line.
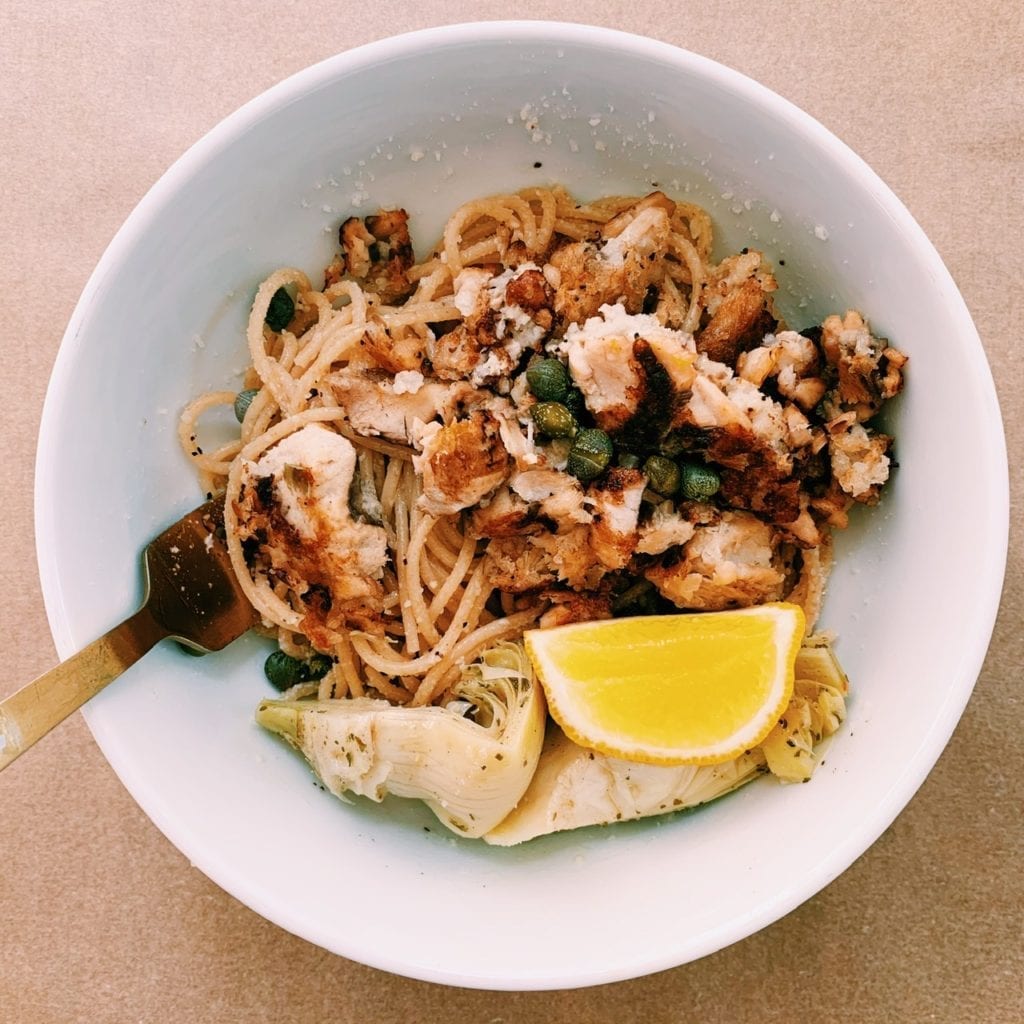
<point x="399" y="501"/>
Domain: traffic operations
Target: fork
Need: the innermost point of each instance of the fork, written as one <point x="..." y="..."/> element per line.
<point x="191" y="595"/>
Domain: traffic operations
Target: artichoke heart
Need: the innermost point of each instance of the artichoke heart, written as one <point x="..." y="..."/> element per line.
<point x="816" y="710"/>
<point x="575" y="787"/>
<point x="471" y="769"/>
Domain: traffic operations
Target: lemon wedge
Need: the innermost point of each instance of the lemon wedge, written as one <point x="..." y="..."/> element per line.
<point x="671" y="689"/>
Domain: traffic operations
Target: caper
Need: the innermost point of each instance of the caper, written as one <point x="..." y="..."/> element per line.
<point x="283" y="670"/>
<point x="553" y="419"/>
<point x="627" y="460"/>
<point x="699" y="482"/>
<point x="632" y="597"/>
<point x="242" y="402"/>
<point x="574" y="402"/>
<point x="590" y="454"/>
<point x="280" y="311"/>
<point x="662" y="475"/>
<point x="548" y="380"/>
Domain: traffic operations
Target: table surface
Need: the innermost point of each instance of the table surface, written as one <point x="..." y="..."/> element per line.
<point x="104" y="920"/>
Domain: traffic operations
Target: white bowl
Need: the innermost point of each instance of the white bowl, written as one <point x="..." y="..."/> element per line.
<point x="428" y="120"/>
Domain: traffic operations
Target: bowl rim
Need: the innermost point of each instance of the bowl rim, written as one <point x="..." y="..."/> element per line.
<point x="994" y="504"/>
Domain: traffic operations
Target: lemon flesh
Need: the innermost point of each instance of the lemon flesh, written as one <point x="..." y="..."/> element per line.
<point x="671" y="689"/>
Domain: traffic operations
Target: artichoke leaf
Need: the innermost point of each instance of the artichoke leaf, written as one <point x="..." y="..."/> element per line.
<point x="575" y="787"/>
<point x="816" y="710"/>
<point x="470" y="769"/>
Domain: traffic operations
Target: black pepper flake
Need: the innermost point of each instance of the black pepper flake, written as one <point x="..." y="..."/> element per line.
<point x="782" y="263"/>
<point x="209" y="495"/>
<point x="537" y="164"/>
<point x="790" y="743"/>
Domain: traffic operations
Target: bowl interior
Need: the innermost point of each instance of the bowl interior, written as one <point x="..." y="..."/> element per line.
<point x="425" y="122"/>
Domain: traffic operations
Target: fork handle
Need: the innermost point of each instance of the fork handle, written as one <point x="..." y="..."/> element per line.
<point x="28" y="714"/>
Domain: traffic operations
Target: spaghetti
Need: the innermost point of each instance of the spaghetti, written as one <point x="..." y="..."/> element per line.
<point x="510" y="281"/>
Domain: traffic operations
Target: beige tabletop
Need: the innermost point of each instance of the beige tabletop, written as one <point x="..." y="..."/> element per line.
<point x="101" y="919"/>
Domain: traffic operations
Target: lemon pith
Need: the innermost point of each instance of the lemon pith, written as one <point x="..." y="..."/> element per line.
<point x="686" y="689"/>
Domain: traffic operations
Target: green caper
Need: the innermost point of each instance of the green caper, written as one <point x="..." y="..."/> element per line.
<point x="283" y="670"/>
<point x="627" y="460"/>
<point x="699" y="482"/>
<point x="632" y="597"/>
<point x="574" y="402"/>
<point x="242" y="402"/>
<point x="280" y="311"/>
<point x="590" y="454"/>
<point x="662" y="475"/>
<point x="548" y="380"/>
<point x="553" y="419"/>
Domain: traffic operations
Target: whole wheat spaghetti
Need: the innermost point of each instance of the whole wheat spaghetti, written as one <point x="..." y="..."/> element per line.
<point x="464" y="518"/>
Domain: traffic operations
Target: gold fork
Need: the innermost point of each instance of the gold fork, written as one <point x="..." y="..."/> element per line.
<point x="192" y="596"/>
